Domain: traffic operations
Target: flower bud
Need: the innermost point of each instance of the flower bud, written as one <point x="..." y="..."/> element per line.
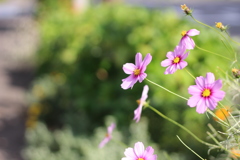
<point x="236" y="72"/>
<point x="186" y="9"/>
<point x="221" y="26"/>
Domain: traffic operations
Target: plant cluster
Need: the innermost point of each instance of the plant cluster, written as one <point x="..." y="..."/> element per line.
<point x="206" y="95"/>
<point x="78" y="76"/>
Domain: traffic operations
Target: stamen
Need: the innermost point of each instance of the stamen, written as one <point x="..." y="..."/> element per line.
<point x="219" y="25"/>
<point x="140" y="159"/>
<point x="183" y="7"/>
<point x="138" y="101"/>
<point x="136" y="72"/>
<point x="183" y="33"/>
<point x="176" y="60"/>
<point x="206" y="93"/>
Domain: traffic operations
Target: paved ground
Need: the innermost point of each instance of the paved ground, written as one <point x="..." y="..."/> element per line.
<point x="18" y="39"/>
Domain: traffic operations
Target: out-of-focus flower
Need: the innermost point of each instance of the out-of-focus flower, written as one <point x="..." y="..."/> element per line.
<point x="206" y="93"/>
<point x="186" y="41"/>
<point x="108" y="136"/>
<point x="175" y="60"/>
<point x="186" y="9"/>
<point x="138" y="111"/>
<point x="136" y="70"/>
<point x="221" y="113"/>
<point x="235" y="153"/>
<point x="139" y="153"/>
<point x="236" y="72"/>
<point x="221" y="26"/>
<point x="32" y="115"/>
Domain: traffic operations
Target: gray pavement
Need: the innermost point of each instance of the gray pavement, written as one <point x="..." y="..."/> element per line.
<point x="18" y="42"/>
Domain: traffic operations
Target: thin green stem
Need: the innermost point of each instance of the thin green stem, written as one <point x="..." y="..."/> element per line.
<point x="234" y="42"/>
<point x="215" y="31"/>
<point x="181" y="126"/>
<point x="190" y="148"/>
<point x="232" y="39"/>
<point x="229" y="50"/>
<point x="202" y="23"/>
<point x="215" y="140"/>
<point x="214" y="131"/>
<point x="166" y="89"/>
<point x="120" y="143"/>
<point x="222" y="122"/>
<point x="190" y="74"/>
<point x="213" y="53"/>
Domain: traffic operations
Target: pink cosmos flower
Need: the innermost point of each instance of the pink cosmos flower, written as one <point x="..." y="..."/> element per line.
<point x="206" y="93"/>
<point x="186" y="41"/>
<point x="138" y="111"/>
<point x="108" y="136"/>
<point x="136" y="71"/>
<point x="175" y="60"/>
<point x="138" y="153"/>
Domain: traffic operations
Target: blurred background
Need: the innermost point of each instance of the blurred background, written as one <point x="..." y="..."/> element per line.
<point x="61" y="70"/>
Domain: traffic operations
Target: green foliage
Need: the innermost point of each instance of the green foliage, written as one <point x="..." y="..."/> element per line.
<point x="80" y="61"/>
<point x="63" y="144"/>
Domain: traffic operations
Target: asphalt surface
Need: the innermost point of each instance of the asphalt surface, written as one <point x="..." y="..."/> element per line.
<point x="18" y="42"/>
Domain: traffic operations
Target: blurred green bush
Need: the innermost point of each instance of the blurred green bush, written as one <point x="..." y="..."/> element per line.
<point x="63" y="144"/>
<point x="79" y="69"/>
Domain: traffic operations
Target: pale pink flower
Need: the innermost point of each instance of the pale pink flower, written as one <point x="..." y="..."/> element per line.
<point x="139" y="153"/>
<point x="138" y="111"/>
<point x="206" y="93"/>
<point x="175" y="60"/>
<point x="136" y="70"/>
<point x="186" y="41"/>
<point x="108" y="136"/>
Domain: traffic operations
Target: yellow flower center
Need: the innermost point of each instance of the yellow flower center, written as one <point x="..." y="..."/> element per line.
<point x="183" y="7"/>
<point x="136" y="72"/>
<point x="234" y="70"/>
<point x="138" y="101"/>
<point x="206" y="93"/>
<point x="219" y="25"/>
<point x="140" y="159"/>
<point x="183" y="33"/>
<point x="176" y="60"/>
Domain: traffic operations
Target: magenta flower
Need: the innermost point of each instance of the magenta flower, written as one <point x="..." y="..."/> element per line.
<point x="186" y="41"/>
<point x="108" y="136"/>
<point x="175" y="60"/>
<point x="138" y="153"/>
<point x="138" y="111"/>
<point x="206" y="93"/>
<point x="136" y="71"/>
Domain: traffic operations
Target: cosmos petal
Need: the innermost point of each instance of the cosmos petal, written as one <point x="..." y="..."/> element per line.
<point x="193" y="32"/>
<point x="128" y="68"/>
<point x="138" y="60"/>
<point x="201" y="106"/>
<point x="128" y="82"/>
<point x="139" y="149"/>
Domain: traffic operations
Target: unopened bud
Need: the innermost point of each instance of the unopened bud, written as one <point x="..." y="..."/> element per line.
<point x="236" y="72"/>
<point x="187" y="10"/>
<point x="221" y="26"/>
